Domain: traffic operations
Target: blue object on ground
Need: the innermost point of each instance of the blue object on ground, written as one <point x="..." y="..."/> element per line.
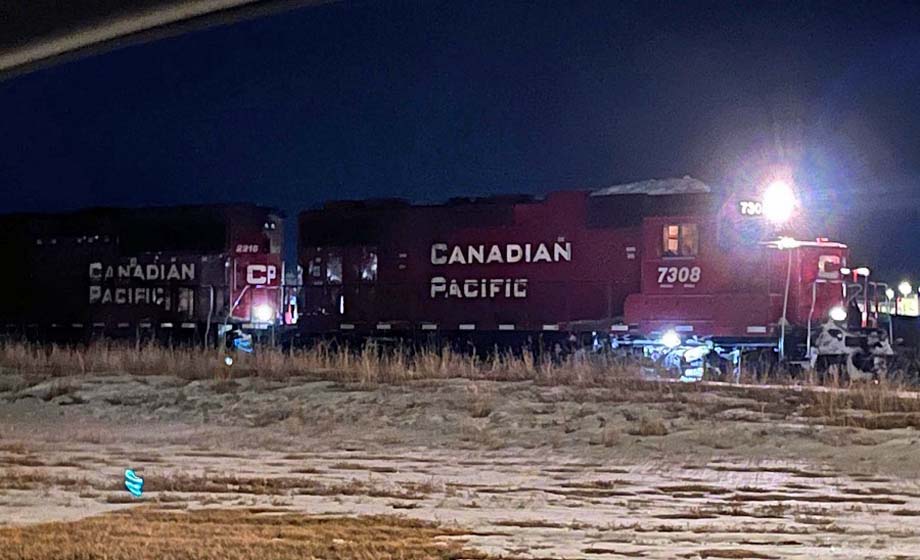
<point x="243" y="343"/>
<point x="134" y="483"/>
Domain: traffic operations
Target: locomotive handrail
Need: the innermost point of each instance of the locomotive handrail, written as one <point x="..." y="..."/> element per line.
<point x="876" y="285"/>
<point x="784" y="320"/>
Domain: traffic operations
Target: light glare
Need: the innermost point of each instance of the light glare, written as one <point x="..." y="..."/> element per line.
<point x="905" y="288"/>
<point x="838" y="313"/>
<point x="263" y="312"/>
<point x="778" y="202"/>
<point x="670" y="339"/>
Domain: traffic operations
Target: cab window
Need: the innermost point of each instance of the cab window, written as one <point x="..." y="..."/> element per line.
<point x="680" y="240"/>
<point x="368" y="268"/>
<point x="334" y="267"/>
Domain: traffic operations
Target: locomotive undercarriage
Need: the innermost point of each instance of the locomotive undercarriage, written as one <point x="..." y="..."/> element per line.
<point x="835" y="352"/>
<point x="857" y="354"/>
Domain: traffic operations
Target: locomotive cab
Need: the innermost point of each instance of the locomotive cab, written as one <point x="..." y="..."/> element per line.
<point x="710" y="279"/>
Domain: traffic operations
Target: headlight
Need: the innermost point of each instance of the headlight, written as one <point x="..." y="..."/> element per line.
<point x="838" y="313"/>
<point x="778" y="202"/>
<point x="670" y="339"/>
<point x="263" y="313"/>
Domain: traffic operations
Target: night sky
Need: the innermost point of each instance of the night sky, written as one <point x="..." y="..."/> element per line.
<point x="428" y="100"/>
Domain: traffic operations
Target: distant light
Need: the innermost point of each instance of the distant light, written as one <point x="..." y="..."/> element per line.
<point x="670" y="339"/>
<point x="228" y="361"/>
<point x="778" y="201"/>
<point x="787" y="243"/>
<point x="844" y="270"/>
<point x="890" y="293"/>
<point x="905" y="288"/>
<point x="838" y="313"/>
<point x="263" y="313"/>
<point x="862" y="271"/>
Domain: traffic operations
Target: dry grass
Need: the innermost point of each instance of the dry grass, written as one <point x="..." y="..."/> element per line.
<point x="370" y="364"/>
<point x="596" y="380"/>
<point x="142" y="533"/>
<point x="609" y="436"/>
<point x="30" y="479"/>
<point x="650" y="426"/>
<point x="27" y="479"/>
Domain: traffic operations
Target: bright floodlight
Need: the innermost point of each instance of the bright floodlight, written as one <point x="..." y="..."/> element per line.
<point x="263" y="313"/>
<point x="905" y="288"/>
<point x="838" y="313"/>
<point x="890" y="293"/>
<point x="862" y="271"/>
<point x="670" y="339"/>
<point x="778" y="201"/>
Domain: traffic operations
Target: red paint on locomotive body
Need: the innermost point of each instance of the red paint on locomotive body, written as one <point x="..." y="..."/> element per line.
<point x="482" y="263"/>
<point x="645" y="255"/>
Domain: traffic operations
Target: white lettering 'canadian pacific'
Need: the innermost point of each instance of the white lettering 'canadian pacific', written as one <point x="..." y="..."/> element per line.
<point x="478" y="288"/>
<point x="142" y="272"/>
<point x="126" y="296"/>
<point x="511" y="253"/>
<point x="135" y="284"/>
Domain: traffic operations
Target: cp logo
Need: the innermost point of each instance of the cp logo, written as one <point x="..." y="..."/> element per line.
<point x="260" y="274"/>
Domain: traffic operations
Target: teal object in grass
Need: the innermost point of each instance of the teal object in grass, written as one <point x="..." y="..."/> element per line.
<point x="133" y="483"/>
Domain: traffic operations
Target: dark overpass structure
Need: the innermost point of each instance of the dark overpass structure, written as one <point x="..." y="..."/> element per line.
<point x="39" y="33"/>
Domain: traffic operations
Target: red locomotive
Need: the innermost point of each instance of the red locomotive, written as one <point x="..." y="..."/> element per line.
<point x="184" y="271"/>
<point x="665" y="267"/>
<point x="658" y="265"/>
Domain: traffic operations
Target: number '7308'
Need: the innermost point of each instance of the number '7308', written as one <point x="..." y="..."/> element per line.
<point x="672" y="274"/>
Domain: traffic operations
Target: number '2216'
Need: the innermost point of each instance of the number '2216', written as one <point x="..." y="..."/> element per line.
<point x="671" y="274"/>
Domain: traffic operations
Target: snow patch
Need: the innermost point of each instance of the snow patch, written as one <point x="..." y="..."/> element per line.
<point x="683" y="185"/>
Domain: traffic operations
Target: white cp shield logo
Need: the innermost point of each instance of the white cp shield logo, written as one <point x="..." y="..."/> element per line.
<point x="261" y="274"/>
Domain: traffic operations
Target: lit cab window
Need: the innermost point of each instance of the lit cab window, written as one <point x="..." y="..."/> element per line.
<point x="334" y="268"/>
<point x="368" y="272"/>
<point x="680" y="240"/>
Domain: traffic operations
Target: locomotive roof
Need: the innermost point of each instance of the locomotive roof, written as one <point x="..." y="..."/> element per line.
<point x="682" y="185"/>
<point x="654" y="187"/>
